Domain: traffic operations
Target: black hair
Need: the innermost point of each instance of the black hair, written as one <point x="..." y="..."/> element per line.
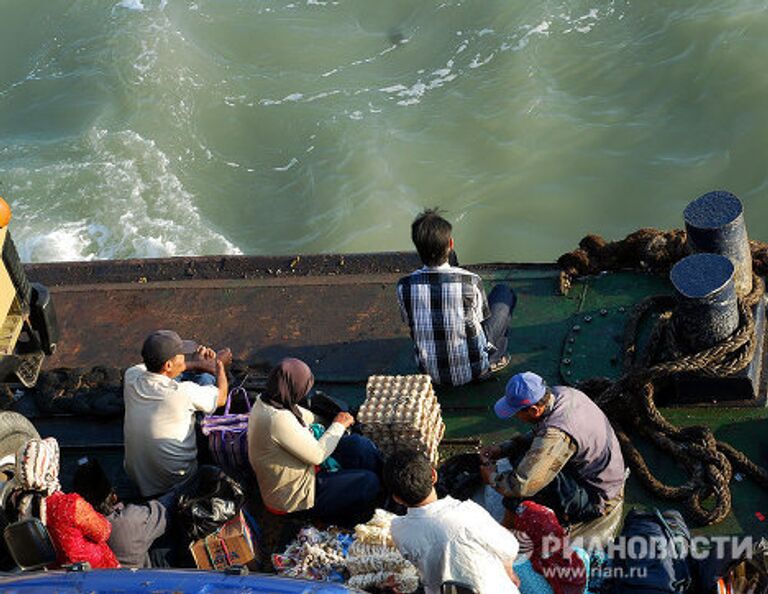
<point x="153" y="365"/>
<point x="431" y="234"/>
<point x="92" y="484"/>
<point x="408" y="476"/>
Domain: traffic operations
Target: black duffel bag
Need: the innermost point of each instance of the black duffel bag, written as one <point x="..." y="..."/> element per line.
<point x="459" y="476"/>
<point x="666" y="568"/>
<point x="210" y="499"/>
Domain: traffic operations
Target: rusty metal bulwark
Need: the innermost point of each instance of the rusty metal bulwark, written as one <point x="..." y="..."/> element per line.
<point x="338" y="312"/>
<point x="263" y="308"/>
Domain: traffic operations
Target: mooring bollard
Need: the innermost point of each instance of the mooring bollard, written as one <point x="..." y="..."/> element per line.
<point x="707" y="309"/>
<point x="715" y="224"/>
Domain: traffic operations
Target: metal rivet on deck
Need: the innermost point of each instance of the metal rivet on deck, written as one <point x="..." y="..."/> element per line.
<point x="576" y="328"/>
<point x="571" y="340"/>
<point x="622" y="309"/>
<point x="603" y="312"/>
<point x="568" y="373"/>
<point x="587" y="319"/>
<point x="569" y="350"/>
<point x="566" y="361"/>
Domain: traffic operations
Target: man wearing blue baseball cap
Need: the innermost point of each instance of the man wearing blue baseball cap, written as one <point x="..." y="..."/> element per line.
<point x="573" y="462"/>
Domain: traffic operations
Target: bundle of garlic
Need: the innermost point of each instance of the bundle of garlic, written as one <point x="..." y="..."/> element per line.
<point x="406" y="581"/>
<point x="376" y="530"/>
<point x="374" y="562"/>
<point x="315" y="555"/>
<point x="402" y="411"/>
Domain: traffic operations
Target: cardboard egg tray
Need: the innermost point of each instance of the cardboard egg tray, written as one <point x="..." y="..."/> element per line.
<point x="402" y="411"/>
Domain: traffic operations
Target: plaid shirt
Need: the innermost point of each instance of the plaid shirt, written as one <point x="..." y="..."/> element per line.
<point x="444" y="308"/>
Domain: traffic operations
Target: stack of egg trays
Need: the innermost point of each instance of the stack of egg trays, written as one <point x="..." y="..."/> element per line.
<point x="402" y="411"/>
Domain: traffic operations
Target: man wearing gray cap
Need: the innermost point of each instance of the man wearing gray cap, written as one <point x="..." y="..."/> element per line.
<point x="159" y="425"/>
<point x="573" y="462"/>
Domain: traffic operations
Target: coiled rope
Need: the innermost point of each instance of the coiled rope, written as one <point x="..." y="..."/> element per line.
<point x="630" y="402"/>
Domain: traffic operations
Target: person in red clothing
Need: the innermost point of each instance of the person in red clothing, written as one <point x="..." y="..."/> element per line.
<point x="79" y="533"/>
<point x="551" y="556"/>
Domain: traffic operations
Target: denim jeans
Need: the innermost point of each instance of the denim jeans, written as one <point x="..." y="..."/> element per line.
<point x="202" y="379"/>
<point x="349" y="495"/>
<point x="501" y="301"/>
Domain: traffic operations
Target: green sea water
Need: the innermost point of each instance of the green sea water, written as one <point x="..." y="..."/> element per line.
<point x="148" y="128"/>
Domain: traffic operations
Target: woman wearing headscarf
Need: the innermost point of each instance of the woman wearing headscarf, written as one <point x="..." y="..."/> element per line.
<point x="79" y="533"/>
<point x="286" y="456"/>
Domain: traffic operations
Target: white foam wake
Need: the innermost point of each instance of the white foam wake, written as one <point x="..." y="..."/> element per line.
<point x="111" y="195"/>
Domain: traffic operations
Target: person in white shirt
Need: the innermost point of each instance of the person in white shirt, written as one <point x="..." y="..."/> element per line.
<point x="447" y="540"/>
<point x="159" y="424"/>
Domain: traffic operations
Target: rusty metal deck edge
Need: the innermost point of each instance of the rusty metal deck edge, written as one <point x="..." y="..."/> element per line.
<point x="237" y="267"/>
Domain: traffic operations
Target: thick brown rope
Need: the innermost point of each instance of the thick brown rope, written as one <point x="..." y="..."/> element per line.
<point x="630" y="401"/>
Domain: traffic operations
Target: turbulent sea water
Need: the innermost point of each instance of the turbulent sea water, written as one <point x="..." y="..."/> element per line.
<point x="147" y="128"/>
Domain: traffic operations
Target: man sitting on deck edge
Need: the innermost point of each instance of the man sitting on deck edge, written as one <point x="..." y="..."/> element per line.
<point x="459" y="334"/>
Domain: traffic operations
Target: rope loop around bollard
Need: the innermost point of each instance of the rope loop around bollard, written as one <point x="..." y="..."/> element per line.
<point x="630" y="402"/>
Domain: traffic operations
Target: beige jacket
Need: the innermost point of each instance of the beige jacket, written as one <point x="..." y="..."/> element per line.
<point x="283" y="454"/>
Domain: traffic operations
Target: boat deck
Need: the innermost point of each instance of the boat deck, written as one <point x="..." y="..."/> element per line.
<point x="339" y="314"/>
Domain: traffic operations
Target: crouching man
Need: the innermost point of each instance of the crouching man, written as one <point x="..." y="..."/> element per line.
<point x="447" y="540"/>
<point x="572" y="464"/>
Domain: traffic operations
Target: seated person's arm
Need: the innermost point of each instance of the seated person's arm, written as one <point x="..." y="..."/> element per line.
<point x="221" y="383"/>
<point x="91" y="523"/>
<point x="204" y="360"/>
<point x="507" y="449"/>
<point x="498" y="541"/>
<point x="545" y="458"/>
<point x="208" y="398"/>
<point x="297" y="440"/>
<point x="401" y="305"/>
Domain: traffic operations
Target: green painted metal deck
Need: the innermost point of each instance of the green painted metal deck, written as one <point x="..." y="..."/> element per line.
<point x="339" y="314"/>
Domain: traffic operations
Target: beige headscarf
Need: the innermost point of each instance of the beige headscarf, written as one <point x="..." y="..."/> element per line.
<point x="37" y="474"/>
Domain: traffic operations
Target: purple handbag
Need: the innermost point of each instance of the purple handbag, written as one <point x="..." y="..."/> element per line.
<point x="228" y="437"/>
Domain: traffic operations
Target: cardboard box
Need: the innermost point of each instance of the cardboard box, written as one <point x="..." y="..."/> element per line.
<point x="232" y="544"/>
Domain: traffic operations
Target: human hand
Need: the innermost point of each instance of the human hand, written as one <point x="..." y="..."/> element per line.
<point x="225" y="356"/>
<point x="345" y="419"/>
<point x="203" y="353"/>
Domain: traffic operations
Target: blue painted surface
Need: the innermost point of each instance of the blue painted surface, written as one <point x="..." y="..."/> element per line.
<point x="157" y="581"/>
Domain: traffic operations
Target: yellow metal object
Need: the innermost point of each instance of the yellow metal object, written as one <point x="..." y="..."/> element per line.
<point x="7" y="290"/>
<point x="11" y="316"/>
<point x="11" y="328"/>
<point x="5" y="213"/>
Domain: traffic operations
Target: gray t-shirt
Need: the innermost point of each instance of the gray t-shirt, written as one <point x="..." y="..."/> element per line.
<point x="134" y="529"/>
<point x="159" y="428"/>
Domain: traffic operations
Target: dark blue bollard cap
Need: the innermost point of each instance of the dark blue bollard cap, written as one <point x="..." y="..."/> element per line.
<point x="701" y="275"/>
<point x="713" y="210"/>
